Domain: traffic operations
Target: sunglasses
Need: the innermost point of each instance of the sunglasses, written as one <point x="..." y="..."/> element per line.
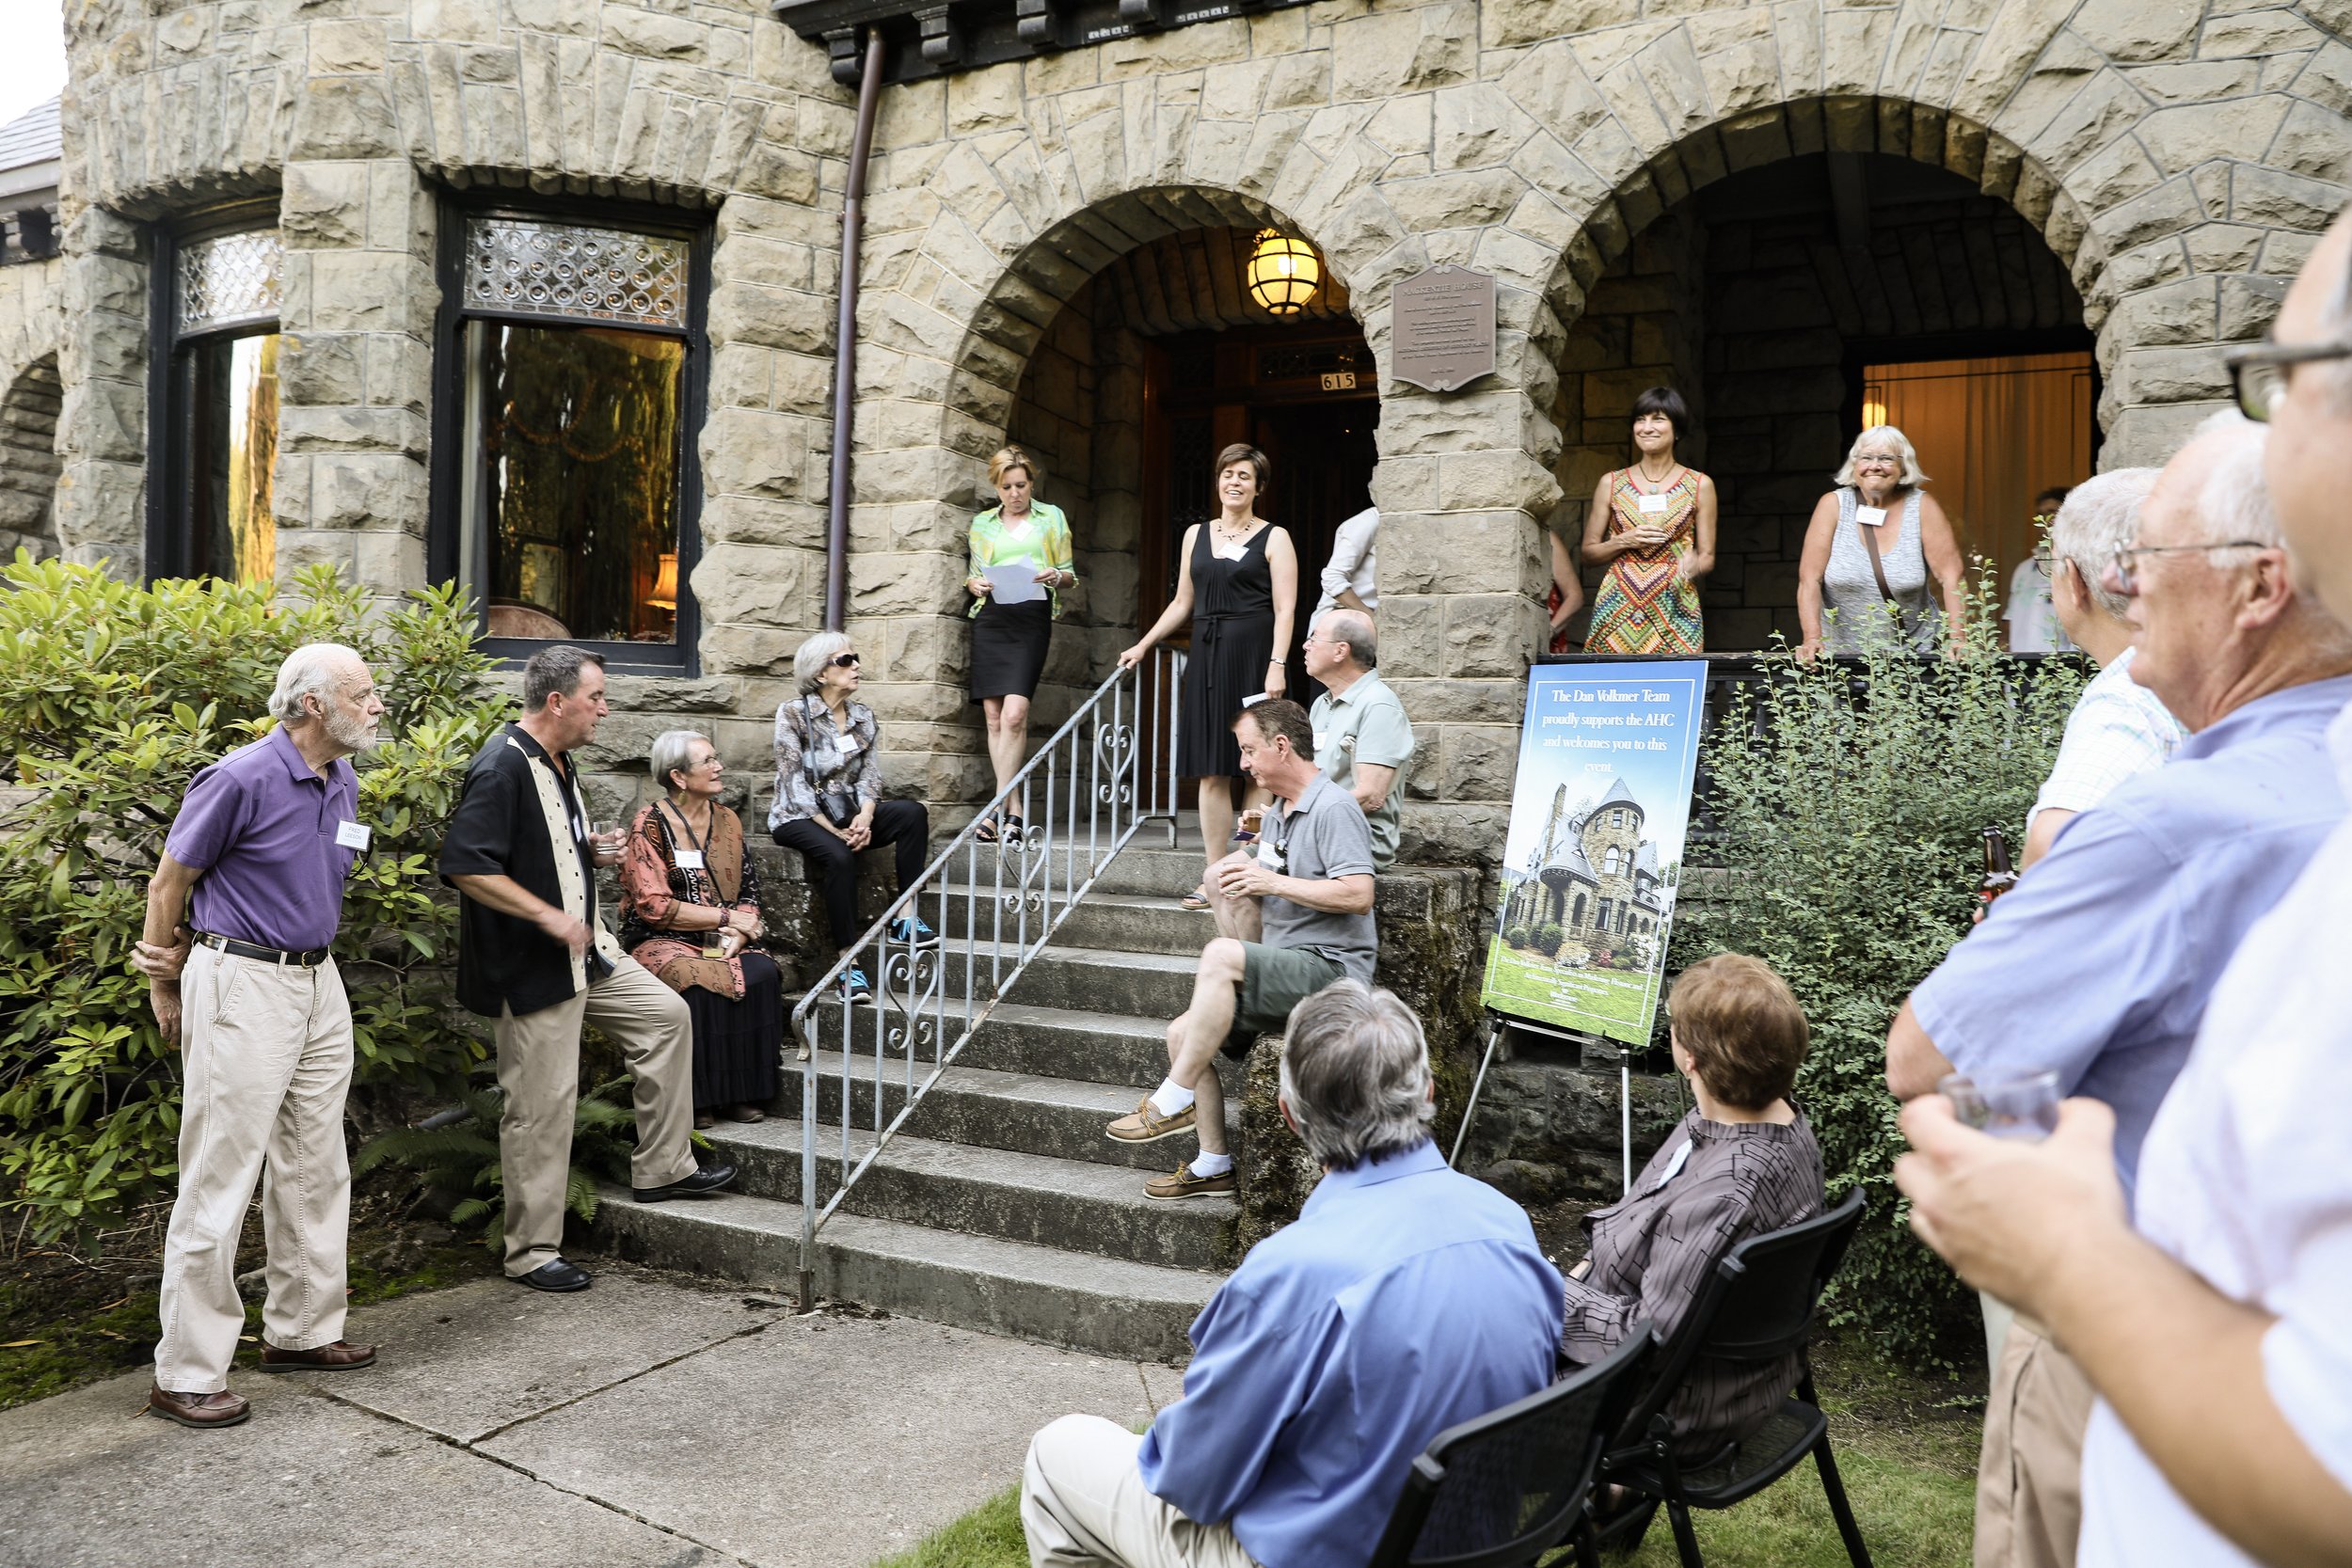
<point x="844" y="661"/>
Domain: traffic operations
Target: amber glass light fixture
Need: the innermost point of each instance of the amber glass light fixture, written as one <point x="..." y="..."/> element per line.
<point x="1284" y="273"/>
<point x="666" y="584"/>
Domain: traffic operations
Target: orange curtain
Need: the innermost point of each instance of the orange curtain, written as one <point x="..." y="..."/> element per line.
<point x="1991" y="434"/>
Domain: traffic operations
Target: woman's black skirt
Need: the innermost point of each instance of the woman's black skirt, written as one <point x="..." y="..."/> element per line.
<point x="1009" y="648"/>
<point x="736" y="1042"/>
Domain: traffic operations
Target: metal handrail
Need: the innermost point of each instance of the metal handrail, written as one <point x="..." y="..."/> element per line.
<point x="1098" y="753"/>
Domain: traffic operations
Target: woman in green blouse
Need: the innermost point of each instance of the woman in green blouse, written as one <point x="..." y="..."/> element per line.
<point x="1009" y="641"/>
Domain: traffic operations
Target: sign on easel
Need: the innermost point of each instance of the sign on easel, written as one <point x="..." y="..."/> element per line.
<point x="1607" y="754"/>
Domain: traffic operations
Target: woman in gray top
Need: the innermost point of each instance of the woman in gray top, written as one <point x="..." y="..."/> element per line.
<point x="1869" y="550"/>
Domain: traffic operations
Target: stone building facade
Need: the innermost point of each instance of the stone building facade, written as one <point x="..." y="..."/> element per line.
<point x="2147" y="172"/>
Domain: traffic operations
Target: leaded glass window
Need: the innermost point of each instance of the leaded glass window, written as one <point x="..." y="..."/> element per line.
<point x="214" y="501"/>
<point x="575" y="346"/>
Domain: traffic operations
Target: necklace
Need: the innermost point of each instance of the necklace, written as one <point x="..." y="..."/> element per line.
<point x="1231" y="535"/>
<point x="1657" y="481"/>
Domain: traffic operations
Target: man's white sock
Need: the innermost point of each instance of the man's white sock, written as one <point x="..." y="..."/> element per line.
<point x="1212" y="1165"/>
<point x="1170" y="1097"/>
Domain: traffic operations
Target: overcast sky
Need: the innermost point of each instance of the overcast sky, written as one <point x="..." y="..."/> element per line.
<point x="32" y="53"/>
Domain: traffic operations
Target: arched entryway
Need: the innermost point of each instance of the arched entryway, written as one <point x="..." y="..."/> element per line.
<point x="28" y="460"/>
<point x="1797" y="301"/>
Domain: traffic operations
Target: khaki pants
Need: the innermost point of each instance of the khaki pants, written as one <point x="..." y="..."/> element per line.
<point x="2029" y="1505"/>
<point x="265" y="1056"/>
<point x="539" y="1069"/>
<point x="1083" y="1503"/>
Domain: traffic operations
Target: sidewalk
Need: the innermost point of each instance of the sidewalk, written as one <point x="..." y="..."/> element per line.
<point x="643" y="1422"/>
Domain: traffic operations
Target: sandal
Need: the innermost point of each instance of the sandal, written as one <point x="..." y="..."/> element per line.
<point x="986" y="831"/>
<point x="1197" y="900"/>
<point x="1015" y="831"/>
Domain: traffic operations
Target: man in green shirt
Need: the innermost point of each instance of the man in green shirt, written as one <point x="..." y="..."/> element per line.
<point x="1362" y="738"/>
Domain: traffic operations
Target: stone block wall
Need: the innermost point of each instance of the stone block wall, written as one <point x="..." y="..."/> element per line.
<point x="2175" y="160"/>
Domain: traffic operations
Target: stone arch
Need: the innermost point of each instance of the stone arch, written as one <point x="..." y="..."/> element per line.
<point x="29" y="465"/>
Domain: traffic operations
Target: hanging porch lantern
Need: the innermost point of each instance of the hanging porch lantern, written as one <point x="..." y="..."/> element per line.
<point x="1284" y="273"/>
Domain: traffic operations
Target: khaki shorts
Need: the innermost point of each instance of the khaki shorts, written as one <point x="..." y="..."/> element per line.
<point x="1273" y="981"/>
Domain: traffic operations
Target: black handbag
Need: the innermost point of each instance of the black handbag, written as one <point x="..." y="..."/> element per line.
<point x="838" y="806"/>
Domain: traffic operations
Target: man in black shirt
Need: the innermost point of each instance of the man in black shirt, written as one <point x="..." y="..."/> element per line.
<point x="531" y="954"/>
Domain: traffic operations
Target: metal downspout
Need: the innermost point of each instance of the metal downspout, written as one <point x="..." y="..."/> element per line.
<point x="844" y="337"/>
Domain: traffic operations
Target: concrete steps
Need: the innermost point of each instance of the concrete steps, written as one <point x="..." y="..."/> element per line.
<point x="1001" y="1205"/>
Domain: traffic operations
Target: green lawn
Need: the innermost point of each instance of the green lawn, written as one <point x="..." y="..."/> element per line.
<point x="1605" y="1001"/>
<point x="1907" y="1453"/>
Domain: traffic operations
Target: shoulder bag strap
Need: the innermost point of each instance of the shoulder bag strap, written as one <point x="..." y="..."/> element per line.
<point x="1878" y="563"/>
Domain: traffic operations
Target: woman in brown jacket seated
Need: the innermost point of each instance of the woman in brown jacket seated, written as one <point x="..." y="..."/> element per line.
<point x="690" y="913"/>
<point x="1741" y="1164"/>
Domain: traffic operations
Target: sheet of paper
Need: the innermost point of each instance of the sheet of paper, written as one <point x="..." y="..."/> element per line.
<point x="1012" y="584"/>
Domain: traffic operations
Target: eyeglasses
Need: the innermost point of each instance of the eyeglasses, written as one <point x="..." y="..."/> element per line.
<point x="844" y="661"/>
<point x="2126" y="575"/>
<point x="2258" y="372"/>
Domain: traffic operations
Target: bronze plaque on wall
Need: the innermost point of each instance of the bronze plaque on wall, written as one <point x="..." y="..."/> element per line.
<point x="1445" y="327"/>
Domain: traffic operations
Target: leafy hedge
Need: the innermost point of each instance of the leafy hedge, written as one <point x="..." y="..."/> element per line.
<point x="112" y="696"/>
<point x="1852" y="804"/>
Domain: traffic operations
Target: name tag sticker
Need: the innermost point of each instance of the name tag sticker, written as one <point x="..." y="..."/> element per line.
<point x="1653" y="503"/>
<point x="1270" y="856"/>
<point x="1869" y="517"/>
<point x="1322" y="741"/>
<point x="847" y="745"/>
<point x="351" y="835"/>
<point x="690" y="860"/>
<point x="1674" y="1167"/>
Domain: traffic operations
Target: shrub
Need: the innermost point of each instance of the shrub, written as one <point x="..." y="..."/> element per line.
<point x="112" y="696"/>
<point x="1851" y="813"/>
<point x="1547" y="938"/>
<point x="1518" y="936"/>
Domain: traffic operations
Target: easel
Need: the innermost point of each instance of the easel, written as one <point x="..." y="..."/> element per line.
<point x="1496" y="1022"/>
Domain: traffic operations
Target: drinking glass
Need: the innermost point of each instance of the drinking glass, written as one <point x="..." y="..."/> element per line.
<point x="2022" y="1107"/>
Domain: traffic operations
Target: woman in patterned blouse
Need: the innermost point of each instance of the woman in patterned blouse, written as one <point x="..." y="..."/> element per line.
<point x="1653" y="525"/>
<point x="1741" y="1164"/>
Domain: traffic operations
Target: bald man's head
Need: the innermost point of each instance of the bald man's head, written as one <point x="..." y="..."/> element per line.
<point x="1354" y="630"/>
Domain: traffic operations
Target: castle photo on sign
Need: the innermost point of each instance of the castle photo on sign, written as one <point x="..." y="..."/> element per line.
<point x="1599" y="811"/>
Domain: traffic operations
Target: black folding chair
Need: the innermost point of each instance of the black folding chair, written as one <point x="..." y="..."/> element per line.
<point x="1758" y="1305"/>
<point x="1500" y="1491"/>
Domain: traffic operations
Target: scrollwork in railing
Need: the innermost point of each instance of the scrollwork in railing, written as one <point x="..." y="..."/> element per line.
<point x="910" y="981"/>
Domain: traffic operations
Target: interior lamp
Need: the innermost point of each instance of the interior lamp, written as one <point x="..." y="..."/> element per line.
<point x="666" y="584"/>
<point x="1283" y="273"/>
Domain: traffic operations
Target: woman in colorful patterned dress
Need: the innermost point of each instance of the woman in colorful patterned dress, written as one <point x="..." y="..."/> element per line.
<point x="1009" y="641"/>
<point x="1654" y="526"/>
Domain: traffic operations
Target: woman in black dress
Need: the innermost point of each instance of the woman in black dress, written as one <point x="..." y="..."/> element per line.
<point x="1238" y="583"/>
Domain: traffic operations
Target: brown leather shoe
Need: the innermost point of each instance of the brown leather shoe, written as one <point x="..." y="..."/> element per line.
<point x="340" y="1357"/>
<point x="1145" y="1125"/>
<point x="1184" y="1183"/>
<point x="201" y="1411"/>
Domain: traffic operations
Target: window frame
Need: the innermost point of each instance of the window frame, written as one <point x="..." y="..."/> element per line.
<point x="171" y="548"/>
<point x="445" y="527"/>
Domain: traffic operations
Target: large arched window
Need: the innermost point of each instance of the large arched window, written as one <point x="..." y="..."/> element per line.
<point x="573" y="362"/>
<point x="214" y="392"/>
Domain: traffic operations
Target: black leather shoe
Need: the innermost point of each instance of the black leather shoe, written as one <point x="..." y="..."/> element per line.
<point x="704" y="1181"/>
<point x="556" y="1275"/>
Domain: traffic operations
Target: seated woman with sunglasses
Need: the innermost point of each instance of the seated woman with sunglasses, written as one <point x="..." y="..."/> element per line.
<point x="828" y="803"/>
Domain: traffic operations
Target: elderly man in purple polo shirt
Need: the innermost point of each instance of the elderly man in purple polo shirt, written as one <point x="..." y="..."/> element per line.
<point x="263" y="843"/>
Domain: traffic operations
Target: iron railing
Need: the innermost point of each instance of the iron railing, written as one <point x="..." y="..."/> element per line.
<point x="1110" y="768"/>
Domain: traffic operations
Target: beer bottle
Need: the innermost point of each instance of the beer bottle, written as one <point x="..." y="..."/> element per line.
<point x="1998" y="878"/>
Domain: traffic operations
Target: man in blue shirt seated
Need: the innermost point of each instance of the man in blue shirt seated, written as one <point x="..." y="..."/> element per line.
<point x="1405" y="1299"/>
<point x="2099" y="965"/>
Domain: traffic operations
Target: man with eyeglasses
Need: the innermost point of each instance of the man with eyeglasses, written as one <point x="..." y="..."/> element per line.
<point x="2101" y="964"/>
<point x="2218" y="1335"/>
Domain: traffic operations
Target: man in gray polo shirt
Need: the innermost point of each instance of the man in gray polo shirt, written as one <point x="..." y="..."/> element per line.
<point x="1291" y="919"/>
<point x="1364" y="741"/>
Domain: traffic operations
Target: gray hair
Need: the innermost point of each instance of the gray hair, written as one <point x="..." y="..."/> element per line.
<point x="555" y="672"/>
<point x="809" y="660"/>
<point x="2233" y="498"/>
<point x="1345" y="625"/>
<point x="2099" y="518"/>
<point x="310" y="671"/>
<point x="1355" y="1073"/>
<point x="673" y="753"/>
<point x="1907" y="474"/>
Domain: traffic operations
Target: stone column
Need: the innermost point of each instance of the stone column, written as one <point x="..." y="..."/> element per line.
<point x="102" y="421"/>
<point x="356" y="364"/>
<point x="1463" y="487"/>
